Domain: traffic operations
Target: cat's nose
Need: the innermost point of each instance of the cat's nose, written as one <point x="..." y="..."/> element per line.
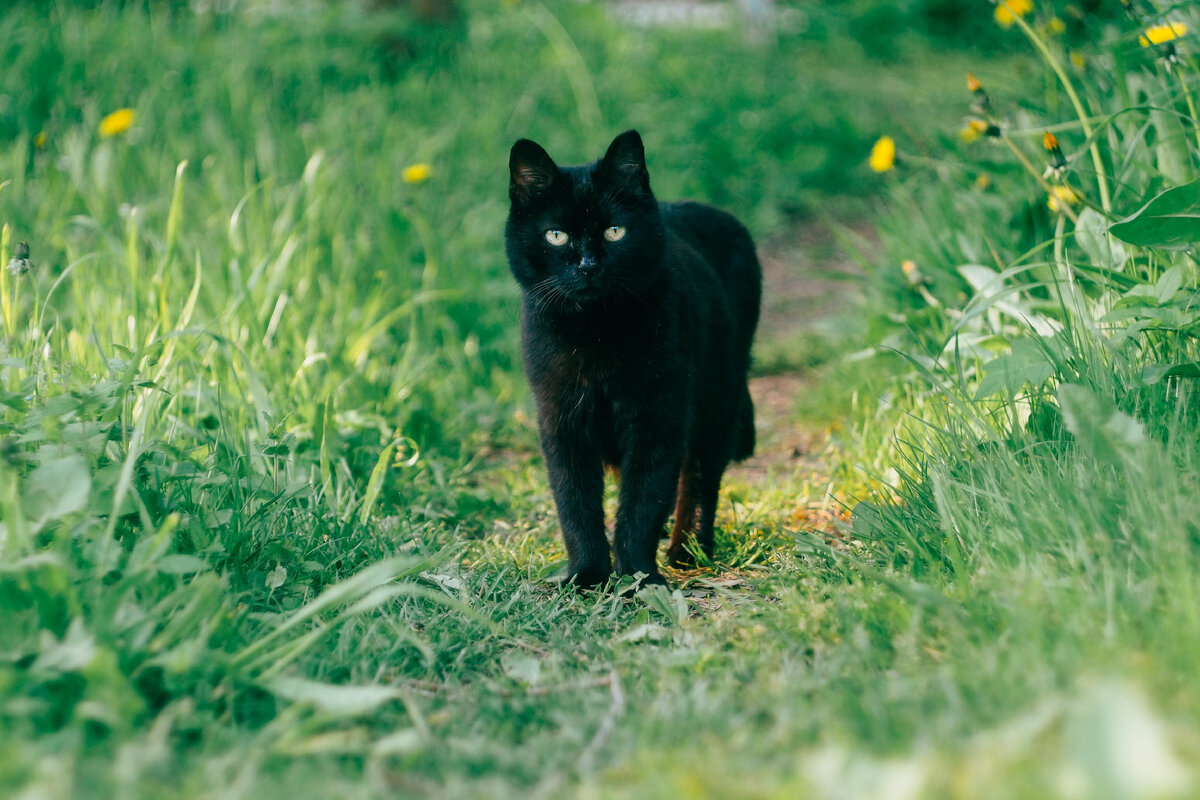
<point x="588" y="266"/>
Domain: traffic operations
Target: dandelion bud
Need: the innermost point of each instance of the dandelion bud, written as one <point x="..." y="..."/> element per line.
<point x="1058" y="161"/>
<point x="980" y="102"/>
<point x="20" y="263"/>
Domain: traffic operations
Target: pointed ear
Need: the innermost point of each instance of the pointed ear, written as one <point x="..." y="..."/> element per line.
<point x="625" y="162"/>
<point x="531" y="171"/>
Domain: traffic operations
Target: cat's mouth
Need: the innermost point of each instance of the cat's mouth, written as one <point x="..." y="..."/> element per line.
<point x="586" y="294"/>
<point x="587" y="289"/>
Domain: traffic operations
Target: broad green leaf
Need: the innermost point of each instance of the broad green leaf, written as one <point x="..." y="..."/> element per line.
<point x="1097" y="426"/>
<point x="980" y="277"/>
<point x="1170" y="221"/>
<point x="1154" y="373"/>
<point x="404" y="741"/>
<point x="1169" y="283"/>
<point x="276" y="577"/>
<point x="181" y="564"/>
<point x="1091" y="233"/>
<point x="1171" y="146"/>
<point x="59" y="486"/>
<point x="521" y="667"/>
<point x="74" y="652"/>
<point x="1026" y="364"/>
<point x="345" y="701"/>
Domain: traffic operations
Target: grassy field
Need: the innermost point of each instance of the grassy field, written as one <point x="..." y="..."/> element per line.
<point x="272" y="516"/>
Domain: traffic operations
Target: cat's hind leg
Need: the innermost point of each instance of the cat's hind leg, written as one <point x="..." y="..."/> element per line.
<point x="704" y="485"/>
<point x="686" y="501"/>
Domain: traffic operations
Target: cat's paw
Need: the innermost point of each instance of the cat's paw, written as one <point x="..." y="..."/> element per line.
<point x="680" y="557"/>
<point x="641" y="580"/>
<point x="589" y="576"/>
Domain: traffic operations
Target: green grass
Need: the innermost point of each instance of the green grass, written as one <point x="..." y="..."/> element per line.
<point x="273" y="517"/>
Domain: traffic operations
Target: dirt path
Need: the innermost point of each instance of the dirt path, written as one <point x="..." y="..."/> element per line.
<point x="804" y="283"/>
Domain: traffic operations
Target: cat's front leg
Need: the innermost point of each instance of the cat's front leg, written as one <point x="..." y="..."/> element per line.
<point x="577" y="481"/>
<point x="649" y="477"/>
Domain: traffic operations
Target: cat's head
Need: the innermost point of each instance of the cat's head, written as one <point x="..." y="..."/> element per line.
<point x="577" y="236"/>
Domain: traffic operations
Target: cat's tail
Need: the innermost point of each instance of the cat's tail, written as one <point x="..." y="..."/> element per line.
<point x="744" y="443"/>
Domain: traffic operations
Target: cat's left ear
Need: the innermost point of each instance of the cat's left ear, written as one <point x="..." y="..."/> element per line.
<point x="625" y="162"/>
<point x="531" y="171"/>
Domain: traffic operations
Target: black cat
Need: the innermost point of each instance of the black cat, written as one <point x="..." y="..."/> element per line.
<point x="636" y="327"/>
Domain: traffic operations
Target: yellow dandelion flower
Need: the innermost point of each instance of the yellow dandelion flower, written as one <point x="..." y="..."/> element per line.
<point x="39" y="141"/>
<point x="416" y="173"/>
<point x="1056" y="27"/>
<point x="117" y="122"/>
<point x="908" y="267"/>
<point x="883" y="154"/>
<point x="975" y="128"/>
<point x="1061" y="197"/>
<point x="1049" y="141"/>
<point x="973" y="84"/>
<point x="1008" y="11"/>
<point x="1078" y="60"/>
<point x="983" y="181"/>
<point x="1161" y="34"/>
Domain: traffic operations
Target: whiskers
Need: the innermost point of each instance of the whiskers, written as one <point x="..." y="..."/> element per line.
<point x="548" y="295"/>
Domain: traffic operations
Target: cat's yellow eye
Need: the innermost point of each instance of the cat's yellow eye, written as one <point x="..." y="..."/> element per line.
<point x="614" y="234"/>
<point x="556" y="238"/>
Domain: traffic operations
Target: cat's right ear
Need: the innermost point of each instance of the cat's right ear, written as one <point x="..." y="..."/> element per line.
<point x="531" y="171"/>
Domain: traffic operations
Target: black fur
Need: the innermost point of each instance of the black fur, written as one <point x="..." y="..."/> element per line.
<point x="636" y="351"/>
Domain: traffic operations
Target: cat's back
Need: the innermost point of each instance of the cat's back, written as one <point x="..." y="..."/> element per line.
<point x="726" y="246"/>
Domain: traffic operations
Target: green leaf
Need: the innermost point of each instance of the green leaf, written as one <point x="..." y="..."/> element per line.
<point x="181" y="564"/>
<point x="1091" y="234"/>
<point x="1154" y="373"/>
<point x="59" y="486"/>
<point x="342" y="701"/>
<point x="73" y="653"/>
<point x="521" y="667"/>
<point x="1097" y="426"/>
<point x="1026" y="364"/>
<point x="276" y="577"/>
<point x="1168" y="284"/>
<point x="1170" y="221"/>
<point x="375" y="483"/>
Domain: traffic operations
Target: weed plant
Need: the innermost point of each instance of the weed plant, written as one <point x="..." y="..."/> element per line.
<point x="1043" y="293"/>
